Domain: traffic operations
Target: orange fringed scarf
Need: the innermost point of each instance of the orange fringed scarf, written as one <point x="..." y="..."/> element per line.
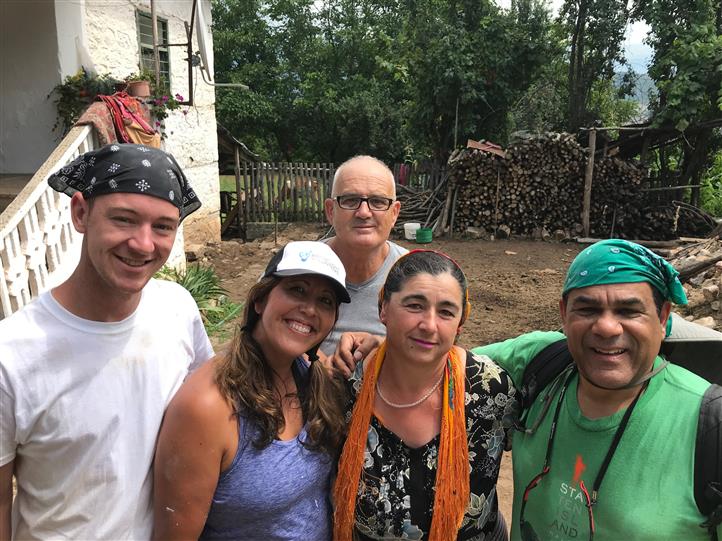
<point x="451" y="489"/>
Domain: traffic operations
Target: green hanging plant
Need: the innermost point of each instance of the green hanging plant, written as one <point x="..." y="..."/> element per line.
<point x="75" y="93"/>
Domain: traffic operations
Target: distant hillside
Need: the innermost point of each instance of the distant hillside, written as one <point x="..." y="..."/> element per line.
<point x="643" y="88"/>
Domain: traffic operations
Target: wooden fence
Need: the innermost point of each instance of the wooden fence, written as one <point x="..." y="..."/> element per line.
<point x="423" y="176"/>
<point x="269" y="192"/>
<point x="295" y="192"/>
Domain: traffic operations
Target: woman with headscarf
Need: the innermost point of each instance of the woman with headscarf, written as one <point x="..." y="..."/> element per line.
<point x="429" y="420"/>
<point x="248" y="444"/>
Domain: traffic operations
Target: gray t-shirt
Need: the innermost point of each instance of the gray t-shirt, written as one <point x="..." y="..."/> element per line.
<point x="362" y="313"/>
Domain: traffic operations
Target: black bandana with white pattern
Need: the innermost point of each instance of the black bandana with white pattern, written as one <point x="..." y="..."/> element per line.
<point x="127" y="168"/>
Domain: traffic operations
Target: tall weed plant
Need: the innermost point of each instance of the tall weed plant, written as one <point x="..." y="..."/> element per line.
<point x="711" y="189"/>
<point x="204" y="285"/>
<point x="711" y="196"/>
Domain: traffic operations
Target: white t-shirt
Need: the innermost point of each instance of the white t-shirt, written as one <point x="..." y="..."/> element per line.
<point x="81" y="404"/>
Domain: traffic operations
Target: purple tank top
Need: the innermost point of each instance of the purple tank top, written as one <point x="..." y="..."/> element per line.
<point x="279" y="492"/>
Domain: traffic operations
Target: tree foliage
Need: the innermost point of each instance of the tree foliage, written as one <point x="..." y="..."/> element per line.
<point x="595" y="29"/>
<point x="686" y="67"/>
<point x="334" y="78"/>
<point x="410" y="79"/>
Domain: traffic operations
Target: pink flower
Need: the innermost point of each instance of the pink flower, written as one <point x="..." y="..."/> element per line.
<point x="157" y="124"/>
<point x="179" y="97"/>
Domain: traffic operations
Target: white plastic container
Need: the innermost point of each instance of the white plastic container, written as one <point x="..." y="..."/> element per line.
<point x="410" y="230"/>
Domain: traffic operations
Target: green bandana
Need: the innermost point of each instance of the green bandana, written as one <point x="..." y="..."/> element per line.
<point x="617" y="261"/>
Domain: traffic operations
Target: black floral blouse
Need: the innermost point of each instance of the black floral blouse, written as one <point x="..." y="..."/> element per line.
<point x="396" y="491"/>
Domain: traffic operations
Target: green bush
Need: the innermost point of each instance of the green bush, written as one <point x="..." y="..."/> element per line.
<point x="204" y="285"/>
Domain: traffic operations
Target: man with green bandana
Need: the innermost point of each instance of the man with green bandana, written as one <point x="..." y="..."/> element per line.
<point x="611" y="457"/>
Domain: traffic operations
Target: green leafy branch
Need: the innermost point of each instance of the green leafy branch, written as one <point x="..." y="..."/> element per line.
<point x="204" y="285"/>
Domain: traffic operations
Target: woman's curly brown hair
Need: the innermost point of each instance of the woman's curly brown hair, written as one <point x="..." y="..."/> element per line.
<point x="245" y="379"/>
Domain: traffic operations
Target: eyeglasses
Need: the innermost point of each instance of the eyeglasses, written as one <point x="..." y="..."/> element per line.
<point x="527" y="531"/>
<point x="353" y="202"/>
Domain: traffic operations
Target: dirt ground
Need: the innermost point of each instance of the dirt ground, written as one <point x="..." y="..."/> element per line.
<point x="514" y="287"/>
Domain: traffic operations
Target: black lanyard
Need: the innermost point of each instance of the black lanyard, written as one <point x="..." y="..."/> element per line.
<point x="613" y="446"/>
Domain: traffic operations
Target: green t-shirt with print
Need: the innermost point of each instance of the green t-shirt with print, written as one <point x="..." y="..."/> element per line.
<point x="647" y="492"/>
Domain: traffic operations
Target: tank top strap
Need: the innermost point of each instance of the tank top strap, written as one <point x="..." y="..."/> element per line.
<point x="301" y="373"/>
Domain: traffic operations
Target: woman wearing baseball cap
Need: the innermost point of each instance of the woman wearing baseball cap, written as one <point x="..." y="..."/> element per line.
<point x="248" y="444"/>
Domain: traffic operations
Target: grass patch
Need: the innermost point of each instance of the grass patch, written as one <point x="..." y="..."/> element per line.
<point x="216" y="308"/>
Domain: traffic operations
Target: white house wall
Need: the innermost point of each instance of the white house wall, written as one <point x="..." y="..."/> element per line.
<point x="112" y="41"/>
<point x="29" y="69"/>
<point x="70" y="24"/>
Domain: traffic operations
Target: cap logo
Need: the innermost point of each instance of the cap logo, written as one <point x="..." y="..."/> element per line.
<point x="304" y="255"/>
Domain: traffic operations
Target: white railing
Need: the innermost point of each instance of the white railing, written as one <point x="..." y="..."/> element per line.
<point x="39" y="246"/>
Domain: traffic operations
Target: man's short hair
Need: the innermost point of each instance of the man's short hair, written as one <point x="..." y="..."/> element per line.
<point x="339" y="169"/>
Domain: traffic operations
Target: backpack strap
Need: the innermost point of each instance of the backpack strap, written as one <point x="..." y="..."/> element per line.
<point x="543" y="369"/>
<point x="554" y="359"/>
<point x="546" y="367"/>
<point x="708" y="460"/>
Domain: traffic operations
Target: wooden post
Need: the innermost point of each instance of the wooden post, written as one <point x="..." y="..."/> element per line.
<point x="496" y="200"/>
<point x="251" y="193"/>
<point x="245" y="195"/>
<point x="644" y="154"/>
<point x="237" y="171"/>
<point x="587" y="204"/>
<point x="156" y="54"/>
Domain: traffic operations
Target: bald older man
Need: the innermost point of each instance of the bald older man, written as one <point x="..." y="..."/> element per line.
<point x="362" y="210"/>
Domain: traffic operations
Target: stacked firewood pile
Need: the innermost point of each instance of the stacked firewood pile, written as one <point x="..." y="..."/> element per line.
<point x="423" y="206"/>
<point x="700" y="267"/>
<point x="537" y="188"/>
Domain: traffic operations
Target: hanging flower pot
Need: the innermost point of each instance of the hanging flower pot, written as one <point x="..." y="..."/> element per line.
<point x="139" y="89"/>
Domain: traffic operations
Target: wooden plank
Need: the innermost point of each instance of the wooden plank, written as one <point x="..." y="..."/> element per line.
<point x="251" y="194"/>
<point x="292" y="190"/>
<point x="316" y="193"/>
<point x="237" y="173"/>
<point x="648" y="243"/>
<point x="295" y="190"/>
<point x="230" y="218"/>
<point x="587" y="202"/>
<point x="258" y="193"/>
<point x="304" y="190"/>
<point x="245" y="191"/>
<point x="692" y="269"/>
<point x="324" y="191"/>
<point x="267" y="197"/>
<point x="273" y="191"/>
<point x="282" y="190"/>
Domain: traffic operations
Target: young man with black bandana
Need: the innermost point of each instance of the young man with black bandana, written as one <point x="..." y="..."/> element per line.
<point x="87" y="369"/>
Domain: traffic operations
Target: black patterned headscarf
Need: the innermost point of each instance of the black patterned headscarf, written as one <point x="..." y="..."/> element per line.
<point x="127" y="168"/>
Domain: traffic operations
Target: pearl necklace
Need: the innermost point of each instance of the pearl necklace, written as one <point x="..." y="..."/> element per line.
<point x="412" y="404"/>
